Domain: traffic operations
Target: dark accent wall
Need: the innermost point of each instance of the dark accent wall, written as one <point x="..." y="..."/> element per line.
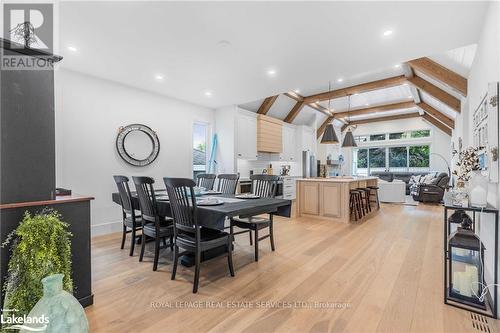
<point x="27" y="135"/>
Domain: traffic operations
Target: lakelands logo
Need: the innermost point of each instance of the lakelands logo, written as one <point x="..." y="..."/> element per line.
<point x="28" y="27"/>
<point x="9" y="321"/>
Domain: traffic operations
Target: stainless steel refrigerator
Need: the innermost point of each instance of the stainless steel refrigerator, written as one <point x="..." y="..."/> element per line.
<point x="309" y="168"/>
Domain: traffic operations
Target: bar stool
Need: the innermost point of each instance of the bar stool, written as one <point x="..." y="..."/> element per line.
<point x="374" y="192"/>
<point x="355" y="202"/>
<point x="365" y="199"/>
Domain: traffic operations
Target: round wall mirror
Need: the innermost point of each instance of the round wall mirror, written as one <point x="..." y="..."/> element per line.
<point x="137" y="144"/>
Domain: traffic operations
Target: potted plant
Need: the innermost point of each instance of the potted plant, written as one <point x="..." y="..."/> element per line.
<point x="41" y="247"/>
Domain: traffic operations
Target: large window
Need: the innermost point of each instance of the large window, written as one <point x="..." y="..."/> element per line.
<point x="399" y="158"/>
<point x="200" y="135"/>
<point x="376" y="159"/>
<point x="402" y="135"/>
<point x="419" y="156"/>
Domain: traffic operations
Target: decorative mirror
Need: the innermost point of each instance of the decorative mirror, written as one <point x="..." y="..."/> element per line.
<point x="137" y="144"/>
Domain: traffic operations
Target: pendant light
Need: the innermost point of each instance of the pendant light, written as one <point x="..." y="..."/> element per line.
<point x="329" y="136"/>
<point x="349" y="138"/>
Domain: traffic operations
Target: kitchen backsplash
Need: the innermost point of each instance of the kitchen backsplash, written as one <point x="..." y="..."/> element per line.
<point x="244" y="167"/>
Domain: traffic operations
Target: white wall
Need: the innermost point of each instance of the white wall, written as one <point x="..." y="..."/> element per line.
<point x="439" y="141"/>
<point x="485" y="69"/>
<point x="89" y="112"/>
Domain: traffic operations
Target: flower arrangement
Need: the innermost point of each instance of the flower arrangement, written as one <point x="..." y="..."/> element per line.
<point x="468" y="161"/>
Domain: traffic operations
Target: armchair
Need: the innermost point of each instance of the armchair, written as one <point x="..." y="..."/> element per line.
<point x="434" y="191"/>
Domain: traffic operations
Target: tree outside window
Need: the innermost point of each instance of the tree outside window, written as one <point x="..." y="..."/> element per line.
<point x="419" y="156"/>
<point x="397" y="157"/>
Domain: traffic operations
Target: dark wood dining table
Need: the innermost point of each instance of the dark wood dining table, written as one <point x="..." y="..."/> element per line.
<point x="214" y="216"/>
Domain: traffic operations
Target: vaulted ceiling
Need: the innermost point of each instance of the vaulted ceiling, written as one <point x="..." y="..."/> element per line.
<point x="425" y="87"/>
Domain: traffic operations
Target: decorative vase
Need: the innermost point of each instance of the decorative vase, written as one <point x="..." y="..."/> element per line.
<point x="63" y="311"/>
<point x="478" y="190"/>
<point x="459" y="194"/>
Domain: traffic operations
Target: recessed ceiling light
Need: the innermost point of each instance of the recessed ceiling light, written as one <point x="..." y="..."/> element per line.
<point x="271" y="72"/>
<point x="296" y="91"/>
<point x="387" y="33"/>
<point x="366" y="104"/>
<point x="340" y="79"/>
<point x="159" y="77"/>
<point x="397" y="65"/>
<point x="72" y="48"/>
<point x="208" y="93"/>
<point x="410" y="96"/>
<point x="224" y="43"/>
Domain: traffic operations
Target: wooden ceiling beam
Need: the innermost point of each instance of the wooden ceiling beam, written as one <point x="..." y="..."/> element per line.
<point x="441" y="74"/>
<point x="299" y="98"/>
<point x="343" y="128"/>
<point x="360" y="88"/>
<point x="294" y="112"/>
<point x="266" y="105"/>
<point x="322" y="128"/>
<point x="378" y="119"/>
<point x="436" y="92"/>
<point x="437" y="123"/>
<point x="436" y="114"/>
<point x="374" y="109"/>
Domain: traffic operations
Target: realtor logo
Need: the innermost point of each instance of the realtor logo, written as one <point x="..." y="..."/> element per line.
<point x="28" y="26"/>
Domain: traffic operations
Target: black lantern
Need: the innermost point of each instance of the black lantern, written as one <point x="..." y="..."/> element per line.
<point x="465" y="267"/>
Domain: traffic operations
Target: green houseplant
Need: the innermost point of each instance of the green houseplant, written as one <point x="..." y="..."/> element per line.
<point x="40" y="247"/>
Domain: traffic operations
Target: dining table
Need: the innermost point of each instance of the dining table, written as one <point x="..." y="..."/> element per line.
<point x="214" y="215"/>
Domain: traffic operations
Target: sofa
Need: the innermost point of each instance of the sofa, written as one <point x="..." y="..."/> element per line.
<point x="432" y="192"/>
<point x="404" y="176"/>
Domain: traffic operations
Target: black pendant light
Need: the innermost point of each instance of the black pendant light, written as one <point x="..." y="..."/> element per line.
<point x="329" y="136"/>
<point x="349" y="138"/>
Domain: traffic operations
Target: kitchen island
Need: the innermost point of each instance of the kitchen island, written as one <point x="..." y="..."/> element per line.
<point x="328" y="198"/>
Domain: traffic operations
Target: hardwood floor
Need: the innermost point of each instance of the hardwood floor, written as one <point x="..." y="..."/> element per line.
<point x="385" y="274"/>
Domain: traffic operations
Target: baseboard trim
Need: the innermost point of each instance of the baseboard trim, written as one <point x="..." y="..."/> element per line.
<point x="106" y="228"/>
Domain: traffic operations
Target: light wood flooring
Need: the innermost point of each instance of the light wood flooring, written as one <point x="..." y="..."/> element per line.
<point x="386" y="274"/>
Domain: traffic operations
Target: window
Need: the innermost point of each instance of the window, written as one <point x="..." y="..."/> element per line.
<point x="377" y="137"/>
<point x="420" y="134"/>
<point x="398" y="158"/>
<point x="419" y="156"/>
<point x="361" y="138"/>
<point x="377" y="158"/>
<point x="362" y="158"/>
<point x="200" y="134"/>
<point x="402" y="158"/>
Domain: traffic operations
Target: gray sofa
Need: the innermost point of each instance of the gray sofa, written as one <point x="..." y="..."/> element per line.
<point x="404" y="176"/>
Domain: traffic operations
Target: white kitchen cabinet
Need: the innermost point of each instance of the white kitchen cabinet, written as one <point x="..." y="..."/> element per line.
<point x="246" y="136"/>
<point x="289" y="144"/>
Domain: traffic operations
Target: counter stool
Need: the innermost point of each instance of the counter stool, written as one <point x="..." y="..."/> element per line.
<point x="365" y="196"/>
<point x="355" y="204"/>
<point x="374" y="192"/>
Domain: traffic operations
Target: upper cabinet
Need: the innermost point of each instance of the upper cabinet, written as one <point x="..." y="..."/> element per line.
<point x="269" y="134"/>
<point x="289" y="144"/>
<point x="246" y="136"/>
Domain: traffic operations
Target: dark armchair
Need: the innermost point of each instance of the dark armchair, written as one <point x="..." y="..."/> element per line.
<point x="434" y="191"/>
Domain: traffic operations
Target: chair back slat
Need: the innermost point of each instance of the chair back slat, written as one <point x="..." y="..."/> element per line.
<point x="264" y="185"/>
<point x="228" y="183"/>
<point x="182" y="203"/>
<point x="147" y="199"/>
<point x="205" y="180"/>
<point x="124" y="192"/>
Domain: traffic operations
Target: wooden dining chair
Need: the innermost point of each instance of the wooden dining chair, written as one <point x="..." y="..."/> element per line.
<point x="132" y="222"/>
<point x="153" y="225"/>
<point x="188" y="234"/>
<point x="264" y="186"/>
<point x="205" y="180"/>
<point x="228" y="183"/>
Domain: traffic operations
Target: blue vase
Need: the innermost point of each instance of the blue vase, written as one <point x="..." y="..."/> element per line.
<point x="61" y="311"/>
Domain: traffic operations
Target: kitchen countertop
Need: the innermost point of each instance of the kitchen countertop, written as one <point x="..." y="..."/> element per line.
<point x="336" y="179"/>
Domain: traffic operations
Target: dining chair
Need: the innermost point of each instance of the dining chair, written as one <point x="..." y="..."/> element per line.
<point x="153" y="225"/>
<point x="205" y="180"/>
<point x="265" y="187"/>
<point x="188" y="234"/>
<point x="227" y="183"/>
<point x="131" y="221"/>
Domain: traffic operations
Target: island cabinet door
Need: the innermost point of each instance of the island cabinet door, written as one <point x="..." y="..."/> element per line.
<point x="331" y="199"/>
<point x="309" y="198"/>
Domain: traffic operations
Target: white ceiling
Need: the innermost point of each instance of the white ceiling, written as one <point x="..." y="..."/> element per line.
<point x="307" y="44"/>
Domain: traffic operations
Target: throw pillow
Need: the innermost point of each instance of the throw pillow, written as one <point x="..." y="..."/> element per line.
<point x="427" y="179"/>
<point x="415" y="179"/>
